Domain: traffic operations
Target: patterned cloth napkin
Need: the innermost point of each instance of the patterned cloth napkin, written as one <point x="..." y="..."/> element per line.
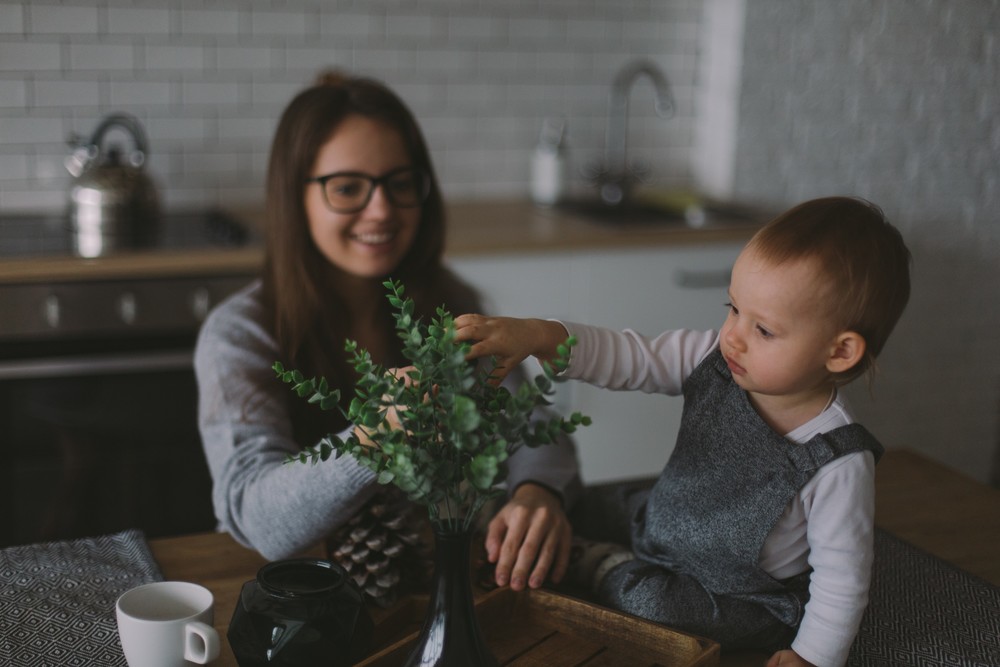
<point x="924" y="611"/>
<point x="57" y="599"/>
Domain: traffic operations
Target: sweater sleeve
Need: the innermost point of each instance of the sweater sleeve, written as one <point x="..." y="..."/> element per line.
<point x="840" y="504"/>
<point x="246" y="431"/>
<point x="628" y="361"/>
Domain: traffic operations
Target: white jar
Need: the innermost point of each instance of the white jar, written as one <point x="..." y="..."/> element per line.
<point x="547" y="176"/>
<point x="548" y="164"/>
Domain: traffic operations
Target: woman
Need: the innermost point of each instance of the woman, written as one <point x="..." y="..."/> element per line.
<point x="351" y="199"/>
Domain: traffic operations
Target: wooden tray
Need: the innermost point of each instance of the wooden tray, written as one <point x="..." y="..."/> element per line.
<point x="544" y="628"/>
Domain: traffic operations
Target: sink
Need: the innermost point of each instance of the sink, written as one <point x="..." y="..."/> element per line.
<point x="638" y="212"/>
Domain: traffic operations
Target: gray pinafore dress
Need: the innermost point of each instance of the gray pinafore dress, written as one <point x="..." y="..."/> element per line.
<point x="699" y="531"/>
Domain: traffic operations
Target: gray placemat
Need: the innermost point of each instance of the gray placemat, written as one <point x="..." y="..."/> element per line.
<point x="57" y="599"/>
<point x="924" y="611"/>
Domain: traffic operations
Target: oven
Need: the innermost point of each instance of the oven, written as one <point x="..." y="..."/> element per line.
<point x="98" y="425"/>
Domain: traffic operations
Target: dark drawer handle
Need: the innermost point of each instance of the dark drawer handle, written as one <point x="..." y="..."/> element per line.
<point x="167" y="360"/>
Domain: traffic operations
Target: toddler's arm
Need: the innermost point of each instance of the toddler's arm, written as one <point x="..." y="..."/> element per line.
<point x="510" y="340"/>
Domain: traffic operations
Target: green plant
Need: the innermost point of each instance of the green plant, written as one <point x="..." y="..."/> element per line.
<point x="456" y="427"/>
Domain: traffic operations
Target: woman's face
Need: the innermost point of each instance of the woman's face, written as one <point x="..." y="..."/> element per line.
<point x="371" y="242"/>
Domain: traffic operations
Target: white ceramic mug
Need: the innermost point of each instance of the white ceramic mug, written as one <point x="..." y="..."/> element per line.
<point x="167" y="624"/>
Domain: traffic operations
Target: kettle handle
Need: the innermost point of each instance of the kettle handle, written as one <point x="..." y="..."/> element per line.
<point x="131" y="124"/>
<point x="88" y="153"/>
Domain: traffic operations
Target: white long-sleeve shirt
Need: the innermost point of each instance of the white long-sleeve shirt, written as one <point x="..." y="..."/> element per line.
<point x="828" y="526"/>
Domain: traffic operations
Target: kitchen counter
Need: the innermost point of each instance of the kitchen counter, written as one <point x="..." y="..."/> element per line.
<point x="476" y="228"/>
<point x="499" y="227"/>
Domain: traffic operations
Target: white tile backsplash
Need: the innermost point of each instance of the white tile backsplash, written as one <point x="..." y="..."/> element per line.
<point x="480" y="76"/>
<point x="138" y="21"/>
<point x="56" y="19"/>
<point x="17" y="55"/>
<point x="13" y="93"/>
<point x="112" y="56"/>
<point x="216" y="22"/>
<point x="156" y="93"/>
<point x="66" y="93"/>
<point x="11" y="18"/>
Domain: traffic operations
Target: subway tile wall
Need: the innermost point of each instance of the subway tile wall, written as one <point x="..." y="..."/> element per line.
<point x="209" y="80"/>
<point x="897" y="101"/>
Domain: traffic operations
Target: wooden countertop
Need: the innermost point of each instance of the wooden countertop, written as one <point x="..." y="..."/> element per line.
<point x="934" y="508"/>
<point x="476" y="227"/>
<point x="497" y="227"/>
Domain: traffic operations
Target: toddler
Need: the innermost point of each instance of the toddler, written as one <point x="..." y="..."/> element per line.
<point x="758" y="532"/>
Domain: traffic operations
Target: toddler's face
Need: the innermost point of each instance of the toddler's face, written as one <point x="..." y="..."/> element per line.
<point x="778" y="334"/>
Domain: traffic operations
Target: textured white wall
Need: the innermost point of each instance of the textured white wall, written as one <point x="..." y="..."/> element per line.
<point x="209" y="79"/>
<point x="897" y="101"/>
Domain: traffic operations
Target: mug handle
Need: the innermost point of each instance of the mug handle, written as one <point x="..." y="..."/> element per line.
<point x="201" y="642"/>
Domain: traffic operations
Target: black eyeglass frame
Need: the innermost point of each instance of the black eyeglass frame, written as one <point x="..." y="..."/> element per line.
<point x="374" y="182"/>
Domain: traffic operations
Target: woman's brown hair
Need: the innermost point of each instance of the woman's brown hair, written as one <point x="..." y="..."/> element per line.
<point x="309" y="321"/>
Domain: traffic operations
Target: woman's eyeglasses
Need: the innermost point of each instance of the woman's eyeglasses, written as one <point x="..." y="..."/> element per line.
<point x="350" y="191"/>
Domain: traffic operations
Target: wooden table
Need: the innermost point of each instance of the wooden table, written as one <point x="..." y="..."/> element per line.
<point x="941" y="511"/>
<point x="528" y="625"/>
<point x="926" y="504"/>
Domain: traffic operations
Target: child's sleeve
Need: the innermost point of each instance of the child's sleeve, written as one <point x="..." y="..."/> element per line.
<point x="628" y="361"/>
<point x="840" y="506"/>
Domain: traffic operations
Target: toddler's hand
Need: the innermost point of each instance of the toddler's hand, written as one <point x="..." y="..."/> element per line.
<point x="787" y="658"/>
<point x="509" y="340"/>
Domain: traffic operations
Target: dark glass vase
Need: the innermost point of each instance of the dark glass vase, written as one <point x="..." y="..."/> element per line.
<point x="451" y="636"/>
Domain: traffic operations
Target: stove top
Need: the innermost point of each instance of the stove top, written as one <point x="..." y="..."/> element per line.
<point x="27" y="236"/>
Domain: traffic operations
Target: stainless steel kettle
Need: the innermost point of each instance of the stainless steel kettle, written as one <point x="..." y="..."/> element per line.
<point x="113" y="202"/>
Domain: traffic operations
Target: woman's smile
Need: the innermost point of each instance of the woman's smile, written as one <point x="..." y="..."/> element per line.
<point x="374" y="238"/>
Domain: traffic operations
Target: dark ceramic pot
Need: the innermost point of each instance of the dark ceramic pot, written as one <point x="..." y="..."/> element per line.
<point x="300" y="612"/>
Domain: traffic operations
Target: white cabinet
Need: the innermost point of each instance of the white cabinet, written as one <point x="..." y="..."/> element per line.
<point x="649" y="290"/>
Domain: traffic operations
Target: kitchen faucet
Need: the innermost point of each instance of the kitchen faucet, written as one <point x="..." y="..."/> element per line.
<point x="614" y="176"/>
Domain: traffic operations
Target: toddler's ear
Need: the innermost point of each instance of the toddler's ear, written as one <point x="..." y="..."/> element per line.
<point x="848" y="349"/>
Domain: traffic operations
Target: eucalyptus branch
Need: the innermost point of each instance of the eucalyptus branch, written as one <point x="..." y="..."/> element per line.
<point x="456" y="428"/>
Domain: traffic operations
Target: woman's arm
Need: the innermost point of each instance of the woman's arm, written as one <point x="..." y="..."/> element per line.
<point x="275" y="508"/>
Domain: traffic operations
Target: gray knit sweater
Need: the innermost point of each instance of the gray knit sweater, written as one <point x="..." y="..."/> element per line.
<point x="246" y="431"/>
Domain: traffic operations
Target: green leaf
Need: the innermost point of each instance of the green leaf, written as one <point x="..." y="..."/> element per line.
<point x="465" y="414"/>
<point x="482" y="471"/>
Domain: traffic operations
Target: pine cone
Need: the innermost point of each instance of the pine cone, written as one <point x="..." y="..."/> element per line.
<point x="381" y="548"/>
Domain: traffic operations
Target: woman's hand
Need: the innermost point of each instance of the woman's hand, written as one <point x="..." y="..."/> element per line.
<point x="392" y="415"/>
<point x="509" y="340"/>
<point x="529" y="538"/>
<point x="787" y="658"/>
